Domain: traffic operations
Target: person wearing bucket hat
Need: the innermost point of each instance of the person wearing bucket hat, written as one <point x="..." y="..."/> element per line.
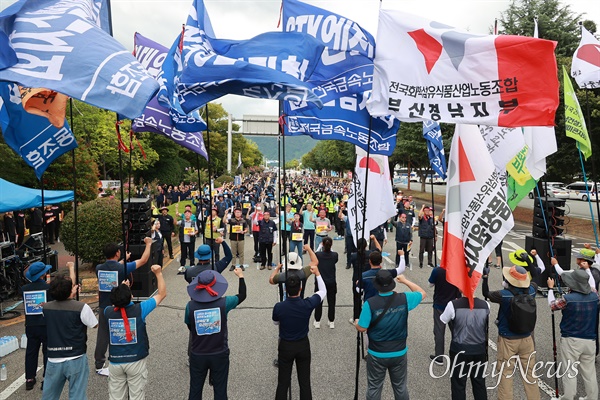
<point x="204" y="256"/>
<point x="578" y="327"/>
<point x="512" y="344"/>
<point x="385" y="319"/>
<point x="35" y="324"/>
<point x="292" y="316"/>
<point x="206" y="317"/>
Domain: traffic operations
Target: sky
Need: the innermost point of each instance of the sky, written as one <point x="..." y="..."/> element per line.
<point x="161" y="20"/>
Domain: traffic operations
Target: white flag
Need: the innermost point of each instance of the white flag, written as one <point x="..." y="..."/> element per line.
<point x="239" y="161"/>
<point x="502" y="144"/>
<point x="379" y="197"/>
<point x="541" y="141"/>
<point x="477" y="216"/>
<point x="586" y="61"/>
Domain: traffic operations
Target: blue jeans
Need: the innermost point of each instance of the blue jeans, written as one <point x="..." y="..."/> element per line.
<point x="75" y="371"/>
<point x="218" y="364"/>
<point x="296" y="245"/>
<point x="376" y="369"/>
<point x="318" y="240"/>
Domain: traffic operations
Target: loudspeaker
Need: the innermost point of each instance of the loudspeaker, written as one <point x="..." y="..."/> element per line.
<point x="137" y="205"/>
<point x="34" y="242"/>
<point x="52" y="259"/>
<point x="562" y="253"/>
<point x="143" y="280"/>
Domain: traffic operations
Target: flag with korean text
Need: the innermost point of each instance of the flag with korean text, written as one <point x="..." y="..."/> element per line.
<point x="346" y="64"/>
<point x="272" y="65"/>
<point x="585" y="67"/>
<point x="425" y="70"/>
<point x="373" y="204"/>
<point x="477" y="216"/>
<point x="31" y="136"/>
<point x="61" y="46"/>
<point x="574" y="121"/>
<point x="184" y="130"/>
<point x="435" y="147"/>
<point x="344" y="118"/>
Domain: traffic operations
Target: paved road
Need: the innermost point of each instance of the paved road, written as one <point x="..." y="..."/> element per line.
<point x="253" y="343"/>
<point x="573" y="208"/>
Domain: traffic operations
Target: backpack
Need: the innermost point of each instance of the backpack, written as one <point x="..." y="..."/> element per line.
<point x="523" y="313"/>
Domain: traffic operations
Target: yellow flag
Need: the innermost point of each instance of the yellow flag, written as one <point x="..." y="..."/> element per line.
<point x="517" y="168"/>
<point x="574" y="121"/>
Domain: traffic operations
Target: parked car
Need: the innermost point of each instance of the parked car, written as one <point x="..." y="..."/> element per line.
<point x="555" y="189"/>
<point x="577" y="190"/>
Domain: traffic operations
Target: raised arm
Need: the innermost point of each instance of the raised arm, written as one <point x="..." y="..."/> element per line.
<point x="160" y="282"/>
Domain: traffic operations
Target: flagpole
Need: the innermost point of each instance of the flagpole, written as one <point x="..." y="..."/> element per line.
<point x="595" y="188"/>
<point x="587" y="190"/>
<point x="43" y="220"/>
<point x="199" y="187"/>
<point x="281" y="227"/>
<point x="434" y="223"/>
<point x="74" y="202"/>
<point x="359" y="260"/>
<point x="210" y="201"/>
<point x="124" y="231"/>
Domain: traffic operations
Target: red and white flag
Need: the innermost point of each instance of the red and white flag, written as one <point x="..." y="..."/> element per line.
<point x="477" y="215"/>
<point x="379" y="198"/>
<point x="586" y="61"/>
<point x="425" y="70"/>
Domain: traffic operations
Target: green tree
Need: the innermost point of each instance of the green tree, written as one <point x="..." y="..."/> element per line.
<point x="59" y="175"/>
<point x="558" y="22"/>
<point x="330" y="155"/>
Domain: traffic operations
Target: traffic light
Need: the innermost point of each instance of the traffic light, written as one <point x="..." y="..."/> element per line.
<point x="550" y="212"/>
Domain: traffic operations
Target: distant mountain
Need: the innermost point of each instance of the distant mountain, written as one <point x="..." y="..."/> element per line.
<point x="295" y="146"/>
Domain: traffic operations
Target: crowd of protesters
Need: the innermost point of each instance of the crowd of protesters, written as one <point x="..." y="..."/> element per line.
<point x="301" y="219"/>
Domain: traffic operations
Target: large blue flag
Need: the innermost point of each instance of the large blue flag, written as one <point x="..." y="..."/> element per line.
<point x="346" y="65"/>
<point x="60" y="45"/>
<point x="273" y="65"/>
<point x="435" y="147"/>
<point x="345" y="118"/>
<point x="33" y="137"/>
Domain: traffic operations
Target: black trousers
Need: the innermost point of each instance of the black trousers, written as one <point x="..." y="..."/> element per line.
<point x="356" y="302"/>
<point x="402" y="246"/>
<point x="102" y="340"/>
<point x="187" y="251"/>
<point x="458" y="378"/>
<point x="298" y="351"/>
<point x="266" y="253"/>
<point x="331" y="293"/>
<point x="167" y="237"/>
<point x="426" y="245"/>
<point x="215" y="248"/>
<point x="218" y="365"/>
<point x="36" y="338"/>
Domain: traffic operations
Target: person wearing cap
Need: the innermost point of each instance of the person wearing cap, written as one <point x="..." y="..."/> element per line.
<point x="167" y="228"/>
<point x="359" y="260"/>
<point x="385" y="319"/>
<point x="206" y="317"/>
<point x="109" y="274"/>
<point x="512" y="344"/>
<point x="238" y="228"/>
<point x="427" y="235"/>
<point x="188" y="229"/>
<point x="327" y="261"/>
<point x="67" y="321"/>
<point x="267" y="239"/>
<point x="469" y="327"/>
<point x="322" y="227"/>
<point x="375" y="260"/>
<point x="292" y="316"/>
<point x="577" y="328"/>
<point x="204" y="256"/>
<point x="308" y="219"/>
<point x="35" y="294"/>
<point x="293" y="265"/>
<point x="255" y="217"/>
<point x="129" y="345"/>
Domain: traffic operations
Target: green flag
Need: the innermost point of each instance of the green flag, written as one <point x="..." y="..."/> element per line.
<point x="574" y="122"/>
<point x="516" y="192"/>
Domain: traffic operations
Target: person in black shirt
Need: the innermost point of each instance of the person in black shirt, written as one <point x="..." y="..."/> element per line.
<point x="10" y="227"/>
<point x="444" y="293"/>
<point x="327" y="261"/>
<point x="49" y="219"/>
<point x="167" y="227"/>
<point x="37" y="221"/>
<point x="20" y="222"/>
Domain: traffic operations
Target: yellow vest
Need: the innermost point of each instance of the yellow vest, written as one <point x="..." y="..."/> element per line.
<point x="216" y="224"/>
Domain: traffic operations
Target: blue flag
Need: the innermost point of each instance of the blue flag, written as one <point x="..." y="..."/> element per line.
<point x="273" y="65"/>
<point x="182" y="129"/>
<point x="345" y="118"/>
<point x="61" y="46"/>
<point x="346" y="65"/>
<point x="435" y="147"/>
<point x="31" y="136"/>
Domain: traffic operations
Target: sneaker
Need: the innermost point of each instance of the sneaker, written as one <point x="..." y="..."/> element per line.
<point x="430" y="265"/>
<point x="263" y="267"/>
<point x="420" y="265"/>
<point x="232" y="267"/>
<point x="102" y="371"/>
<point x="348" y="266"/>
<point x="496" y="266"/>
<point x="352" y="321"/>
<point x="317" y="324"/>
<point x="269" y="268"/>
<point x="331" y="325"/>
<point x="181" y="270"/>
<point x="436" y="359"/>
<point x="276" y="363"/>
<point x="171" y="256"/>
<point x="29" y="384"/>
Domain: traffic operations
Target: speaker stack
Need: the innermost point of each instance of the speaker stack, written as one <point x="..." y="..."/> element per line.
<point x="143" y="280"/>
<point x="562" y="253"/>
<point x="138" y="220"/>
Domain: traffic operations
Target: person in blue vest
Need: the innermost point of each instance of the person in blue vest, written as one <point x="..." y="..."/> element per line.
<point x="129" y="345"/>
<point x="385" y="319"/>
<point x="35" y="294"/>
<point x="577" y="329"/>
<point x="67" y="321"/>
<point x="109" y="274"/>
<point x="427" y="235"/>
<point x="368" y="277"/>
<point x="206" y="318"/>
<point x="403" y="237"/>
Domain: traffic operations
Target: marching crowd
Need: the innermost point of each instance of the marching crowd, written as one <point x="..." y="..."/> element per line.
<point x="302" y="219"/>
